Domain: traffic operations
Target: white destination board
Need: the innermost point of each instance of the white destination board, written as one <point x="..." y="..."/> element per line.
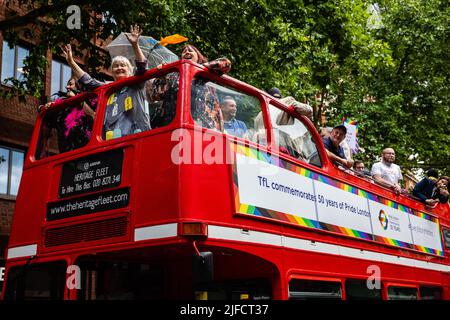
<point x="390" y="223"/>
<point x="280" y="190"/>
<point x="425" y="233"/>
<point x="342" y="208"/>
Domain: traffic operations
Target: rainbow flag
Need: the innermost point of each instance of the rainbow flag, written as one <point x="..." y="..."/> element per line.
<point x="352" y="134"/>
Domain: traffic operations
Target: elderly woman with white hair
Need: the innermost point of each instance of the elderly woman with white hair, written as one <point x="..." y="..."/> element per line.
<point x="125" y="109"/>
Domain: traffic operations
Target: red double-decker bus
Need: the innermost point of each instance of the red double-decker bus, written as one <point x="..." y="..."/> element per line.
<point x="189" y="210"/>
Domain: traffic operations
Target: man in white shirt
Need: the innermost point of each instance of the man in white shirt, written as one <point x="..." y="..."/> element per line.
<point x="386" y="172"/>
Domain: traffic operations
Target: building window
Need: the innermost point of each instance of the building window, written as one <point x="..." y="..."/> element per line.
<point x="12" y="62"/>
<point x="11" y="164"/>
<point x="61" y="74"/>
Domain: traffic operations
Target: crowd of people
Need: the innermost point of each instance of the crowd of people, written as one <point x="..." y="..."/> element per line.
<point x="430" y="190"/>
<point x="125" y="111"/>
<point x="125" y="114"/>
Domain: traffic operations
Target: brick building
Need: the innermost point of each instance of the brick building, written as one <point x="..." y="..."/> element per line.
<point x="17" y="120"/>
<point x="16" y="125"/>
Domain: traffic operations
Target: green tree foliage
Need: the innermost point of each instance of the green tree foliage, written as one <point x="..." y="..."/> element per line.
<point x="405" y="104"/>
<point x="385" y="68"/>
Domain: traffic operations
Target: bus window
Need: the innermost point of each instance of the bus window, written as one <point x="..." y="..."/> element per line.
<point x="219" y="108"/>
<point x="292" y="137"/>
<point x="430" y="293"/>
<point x="161" y="97"/>
<point x="303" y="289"/>
<point x="66" y="128"/>
<point x="236" y="289"/>
<point x="146" y="105"/>
<point x="36" y="282"/>
<point x="446" y="233"/>
<point x="402" y="293"/>
<point x="109" y="280"/>
<point x="358" y="290"/>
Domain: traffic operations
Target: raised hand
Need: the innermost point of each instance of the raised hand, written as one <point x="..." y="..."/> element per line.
<point x="135" y="33"/>
<point x="133" y="38"/>
<point x="67" y="51"/>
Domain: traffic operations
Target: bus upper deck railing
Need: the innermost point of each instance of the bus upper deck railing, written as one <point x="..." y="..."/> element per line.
<point x="274" y="139"/>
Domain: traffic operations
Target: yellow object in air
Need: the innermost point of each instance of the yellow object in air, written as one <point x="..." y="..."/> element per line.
<point x="173" y="39"/>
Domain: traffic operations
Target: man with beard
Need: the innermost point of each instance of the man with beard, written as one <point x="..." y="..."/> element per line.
<point x="386" y="172"/>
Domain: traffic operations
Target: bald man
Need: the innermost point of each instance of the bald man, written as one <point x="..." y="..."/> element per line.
<point x="386" y="172"/>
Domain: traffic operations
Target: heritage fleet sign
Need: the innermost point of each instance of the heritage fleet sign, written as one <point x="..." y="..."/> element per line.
<point x="97" y="172"/>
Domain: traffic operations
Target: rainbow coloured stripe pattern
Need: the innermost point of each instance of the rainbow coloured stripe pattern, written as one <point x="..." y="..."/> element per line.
<point x="432" y="219"/>
<point x="353" y="123"/>
<point x="246" y="209"/>
<point x="392" y="204"/>
<point x="393" y="242"/>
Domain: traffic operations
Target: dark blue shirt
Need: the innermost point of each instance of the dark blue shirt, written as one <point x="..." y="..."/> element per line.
<point x="426" y="189"/>
<point x="339" y="151"/>
<point x="235" y="128"/>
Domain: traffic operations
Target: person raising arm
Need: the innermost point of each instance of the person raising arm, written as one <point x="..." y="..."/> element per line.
<point x="125" y="109"/>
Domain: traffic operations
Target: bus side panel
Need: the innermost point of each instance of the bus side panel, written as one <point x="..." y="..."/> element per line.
<point x="155" y="182"/>
<point x="208" y="192"/>
<point x="29" y="209"/>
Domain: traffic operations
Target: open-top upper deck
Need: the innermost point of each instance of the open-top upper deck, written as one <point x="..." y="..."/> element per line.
<point x="268" y="182"/>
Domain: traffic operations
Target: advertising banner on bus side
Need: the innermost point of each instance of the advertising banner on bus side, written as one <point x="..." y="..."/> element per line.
<point x="266" y="186"/>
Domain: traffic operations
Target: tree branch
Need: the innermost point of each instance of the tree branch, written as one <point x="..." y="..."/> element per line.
<point x="403" y="61"/>
<point x="31" y="16"/>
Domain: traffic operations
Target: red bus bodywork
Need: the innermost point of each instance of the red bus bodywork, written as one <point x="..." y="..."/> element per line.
<point x="254" y="256"/>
